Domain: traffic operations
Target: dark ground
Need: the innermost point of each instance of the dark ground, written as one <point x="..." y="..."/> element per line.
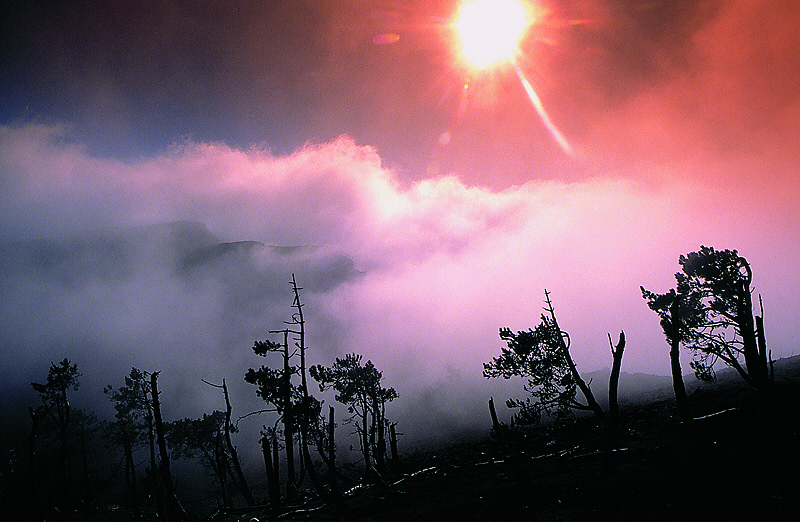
<point x="737" y="461"/>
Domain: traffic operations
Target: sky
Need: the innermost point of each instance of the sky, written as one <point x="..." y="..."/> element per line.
<point x="426" y="202"/>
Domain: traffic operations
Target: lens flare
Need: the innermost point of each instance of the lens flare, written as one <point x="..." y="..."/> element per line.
<point x="385" y="38"/>
<point x="537" y="104"/>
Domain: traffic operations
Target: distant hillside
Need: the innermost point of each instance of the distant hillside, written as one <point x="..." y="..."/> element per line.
<point x="633" y="387"/>
<point x="637" y="388"/>
<point x="179" y="249"/>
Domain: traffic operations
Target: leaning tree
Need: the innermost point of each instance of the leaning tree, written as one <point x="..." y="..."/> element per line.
<point x="711" y="313"/>
<point x="542" y="356"/>
<point x="680" y="316"/>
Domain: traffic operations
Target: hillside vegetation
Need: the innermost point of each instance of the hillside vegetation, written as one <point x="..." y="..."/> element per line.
<point x="738" y="460"/>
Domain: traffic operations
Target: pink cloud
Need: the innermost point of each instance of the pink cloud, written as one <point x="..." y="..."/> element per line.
<point x="444" y="264"/>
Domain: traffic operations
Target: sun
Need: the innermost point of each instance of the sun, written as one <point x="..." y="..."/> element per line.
<point x="489" y="31"/>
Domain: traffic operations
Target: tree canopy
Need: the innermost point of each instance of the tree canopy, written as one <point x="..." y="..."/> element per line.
<point x="359" y="388"/>
<point x="714" y="302"/>
<point x="541" y="355"/>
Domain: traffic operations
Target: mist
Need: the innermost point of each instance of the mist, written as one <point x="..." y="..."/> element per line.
<point x="179" y="262"/>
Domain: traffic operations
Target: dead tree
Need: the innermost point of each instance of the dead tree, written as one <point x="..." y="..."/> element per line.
<point x="175" y="511"/>
<point x="613" y="380"/>
<point x="296" y="407"/>
<point x="240" y="482"/>
<point x="497" y="428"/>
<point x="306" y="407"/>
<point x="393" y="447"/>
<point x="564" y="340"/>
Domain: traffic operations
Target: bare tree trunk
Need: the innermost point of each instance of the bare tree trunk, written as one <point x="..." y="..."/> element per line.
<point x="762" y="340"/>
<point x="613" y="380"/>
<point x="175" y="510"/>
<point x="755" y="364"/>
<point x="613" y="398"/>
<point x="273" y="485"/>
<point x="221" y="466"/>
<point x="158" y="490"/>
<point x="393" y="447"/>
<point x="365" y="443"/>
<point x="497" y="431"/>
<point x="242" y="483"/>
<point x="332" y="457"/>
<point x="270" y="450"/>
<point x="765" y="356"/>
<point x="288" y="421"/>
<point x="299" y="320"/>
<point x="380" y="445"/>
<point x="276" y="464"/>
<point x="312" y="473"/>
<point x="585" y="389"/>
<point x="130" y="473"/>
<point x="372" y="431"/>
<point x="493" y="414"/>
<point x="681" y="399"/>
<point x="587" y="392"/>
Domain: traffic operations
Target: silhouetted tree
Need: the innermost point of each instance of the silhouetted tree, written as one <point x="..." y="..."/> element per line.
<point x="309" y="409"/>
<point x="130" y="429"/>
<point x="295" y="406"/>
<point x="542" y="356"/>
<point x="275" y="387"/>
<point x="716" y="321"/>
<point x="359" y="388"/>
<point x="269" y="448"/>
<point x="55" y="406"/>
<point x="613" y="379"/>
<point x="240" y="481"/>
<point x="175" y="511"/>
<point x="202" y="438"/>
<point x="135" y="425"/>
<point x="720" y="280"/>
<point x="680" y="317"/>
